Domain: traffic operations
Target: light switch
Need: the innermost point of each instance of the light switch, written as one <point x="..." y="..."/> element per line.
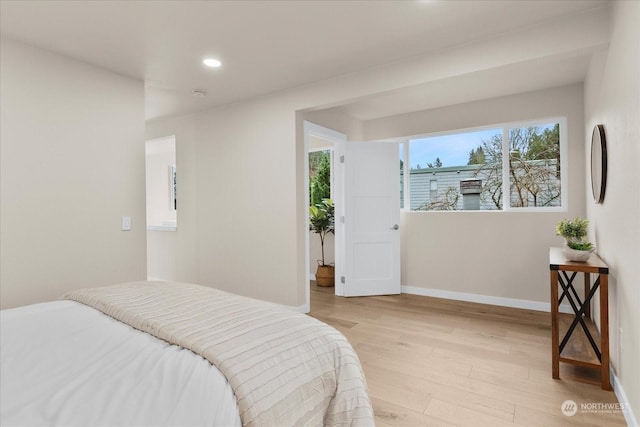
<point x="126" y="223"/>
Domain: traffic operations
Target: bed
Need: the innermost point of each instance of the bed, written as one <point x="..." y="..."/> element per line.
<point x="174" y="354"/>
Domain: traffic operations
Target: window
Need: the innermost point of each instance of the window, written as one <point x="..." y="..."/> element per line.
<point x="433" y="187"/>
<point x="466" y="171"/>
<point x="534" y="166"/>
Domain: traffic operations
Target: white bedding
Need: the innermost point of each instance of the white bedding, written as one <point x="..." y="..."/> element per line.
<point x="286" y="369"/>
<point x="63" y="363"/>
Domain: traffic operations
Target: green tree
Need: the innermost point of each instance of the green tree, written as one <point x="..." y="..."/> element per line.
<point x="320" y="178"/>
<point x="322" y="221"/>
<point x="534" y="167"/>
<point x="546" y="146"/>
<point x="477" y="157"/>
<point x="491" y="171"/>
<point x="436" y="164"/>
<point x="315" y="158"/>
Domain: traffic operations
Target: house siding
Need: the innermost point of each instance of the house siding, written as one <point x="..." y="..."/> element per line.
<point x="422" y="195"/>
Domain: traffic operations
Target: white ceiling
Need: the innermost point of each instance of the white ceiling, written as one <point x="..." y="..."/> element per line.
<point x="500" y="81"/>
<point x="266" y="46"/>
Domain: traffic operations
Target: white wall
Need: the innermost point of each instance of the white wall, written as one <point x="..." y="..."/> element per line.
<point x="237" y="212"/>
<point x="612" y="98"/>
<point x="247" y="238"/>
<point x="336" y="120"/>
<point x="497" y="254"/>
<point x="251" y="229"/>
<point x="163" y="256"/>
<point x="173" y="255"/>
<point x="246" y="196"/>
<point x="72" y="163"/>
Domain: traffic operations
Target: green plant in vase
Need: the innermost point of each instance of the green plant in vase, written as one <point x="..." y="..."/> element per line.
<point x="321" y="218"/>
<point x="576" y="247"/>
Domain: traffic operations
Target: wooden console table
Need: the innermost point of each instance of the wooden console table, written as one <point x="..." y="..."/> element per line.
<point x="572" y="349"/>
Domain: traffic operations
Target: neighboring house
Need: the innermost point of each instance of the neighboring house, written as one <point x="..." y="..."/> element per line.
<point x="432" y="185"/>
<point x="439" y="188"/>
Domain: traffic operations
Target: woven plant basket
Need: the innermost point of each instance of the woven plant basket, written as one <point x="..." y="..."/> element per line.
<point x="325" y="275"/>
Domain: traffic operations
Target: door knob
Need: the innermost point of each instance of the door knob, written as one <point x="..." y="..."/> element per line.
<point x="395" y="227"/>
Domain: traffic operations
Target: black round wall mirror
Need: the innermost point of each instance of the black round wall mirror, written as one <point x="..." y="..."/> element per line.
<point x="598" y="163"/>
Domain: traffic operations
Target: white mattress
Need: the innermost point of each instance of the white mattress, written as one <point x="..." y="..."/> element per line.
<point x="66" y="364"/>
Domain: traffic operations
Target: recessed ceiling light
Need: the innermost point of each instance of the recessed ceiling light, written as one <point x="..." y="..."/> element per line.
<point x="199" y="93"/>
<point x="211" y="62"/>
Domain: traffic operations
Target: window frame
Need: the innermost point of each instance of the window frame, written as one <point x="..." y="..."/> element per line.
<point x="506" y="127"/>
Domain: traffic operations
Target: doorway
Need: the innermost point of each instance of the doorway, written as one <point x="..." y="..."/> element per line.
<point x="321" y="145"/>
<point x="365" y="192"/>
<point x="162" y="204"/>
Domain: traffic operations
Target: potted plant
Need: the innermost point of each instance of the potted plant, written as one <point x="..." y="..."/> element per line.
<point x="321" y="219"/>
<point x="576" y="247"/>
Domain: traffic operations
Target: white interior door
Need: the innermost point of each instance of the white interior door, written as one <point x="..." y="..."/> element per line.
<point x="371" y="218"/>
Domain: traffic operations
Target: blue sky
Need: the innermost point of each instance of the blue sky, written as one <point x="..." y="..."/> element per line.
<point x="453" y="150"/>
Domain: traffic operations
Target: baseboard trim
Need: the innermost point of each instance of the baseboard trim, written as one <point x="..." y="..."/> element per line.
<point x="300" y="309"/>
<point x="629" y="416"/>
<point x="483" y="299"/>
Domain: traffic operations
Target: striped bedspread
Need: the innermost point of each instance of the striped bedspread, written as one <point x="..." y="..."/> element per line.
<point x="286" y="369"/>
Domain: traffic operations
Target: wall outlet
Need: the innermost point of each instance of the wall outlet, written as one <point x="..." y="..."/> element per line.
<point x="126" y="223"/>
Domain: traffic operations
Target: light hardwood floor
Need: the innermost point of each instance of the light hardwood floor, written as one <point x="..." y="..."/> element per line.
<point x="436" y="362"/>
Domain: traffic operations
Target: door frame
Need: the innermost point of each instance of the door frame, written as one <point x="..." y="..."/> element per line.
<point x="338" y="138"/>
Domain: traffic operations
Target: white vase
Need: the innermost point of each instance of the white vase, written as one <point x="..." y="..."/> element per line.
<point x="575" y="255"/>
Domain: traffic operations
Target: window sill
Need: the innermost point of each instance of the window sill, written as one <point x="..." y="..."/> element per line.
<point x="162" y="228"/>
<point x="494" y="211"/>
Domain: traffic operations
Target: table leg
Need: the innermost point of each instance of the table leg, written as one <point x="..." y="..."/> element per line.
<point x="604" y="331"/>
<point x="555" y="344"/>
<point x="587" y="288"/>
